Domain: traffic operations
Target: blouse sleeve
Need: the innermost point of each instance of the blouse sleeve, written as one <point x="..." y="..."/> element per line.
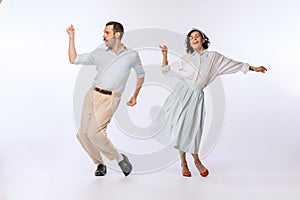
<point x="229" y="66"/>
<point x="171" y="70"/>
<point x="180" y="69"/>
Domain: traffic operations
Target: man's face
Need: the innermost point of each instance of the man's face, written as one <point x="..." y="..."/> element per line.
<point x="109" y="36"/>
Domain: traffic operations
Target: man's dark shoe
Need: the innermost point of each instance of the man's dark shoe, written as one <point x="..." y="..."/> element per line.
<point x="101" y="170"/>
<point x="125" y="165"/>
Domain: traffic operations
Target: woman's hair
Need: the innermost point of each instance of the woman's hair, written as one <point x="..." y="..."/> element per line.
<point x="205" y="44"/>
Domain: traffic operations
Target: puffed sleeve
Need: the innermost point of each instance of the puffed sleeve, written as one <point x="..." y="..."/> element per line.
<point x="180" y="69"/>
<point x="170" y="70"/>
<point x="228" y="66"/>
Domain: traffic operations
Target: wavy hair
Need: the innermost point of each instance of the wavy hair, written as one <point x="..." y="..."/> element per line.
<point x="204" y="37"/>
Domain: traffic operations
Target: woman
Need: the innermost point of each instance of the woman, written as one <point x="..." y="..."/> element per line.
<point x="183" y="110"/>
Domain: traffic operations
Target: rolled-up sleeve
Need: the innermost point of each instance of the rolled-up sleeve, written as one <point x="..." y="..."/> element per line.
<point x="137" y="66"/>
<point x="140" y="72"/>
<point x="180" y="69"/>
<point x="85" y="59"/>
<point x="173" y="70"/>
<point x="169" y="71"/>
<point x="165" y="69"/>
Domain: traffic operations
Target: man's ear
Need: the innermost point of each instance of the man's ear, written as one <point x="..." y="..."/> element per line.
<point x="117" y="35"/>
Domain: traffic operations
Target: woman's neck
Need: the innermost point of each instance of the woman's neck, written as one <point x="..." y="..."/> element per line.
<point x="199" y="50"/>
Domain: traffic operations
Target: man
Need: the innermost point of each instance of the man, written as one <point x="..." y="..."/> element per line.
<point x="113" y="68"/>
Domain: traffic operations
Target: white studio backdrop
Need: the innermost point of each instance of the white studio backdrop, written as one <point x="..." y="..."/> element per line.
<point x="37" y="82"/>
<point x="36" y="75"/>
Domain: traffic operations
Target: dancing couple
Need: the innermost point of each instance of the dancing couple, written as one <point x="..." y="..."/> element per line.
<point x="183" y="110"/>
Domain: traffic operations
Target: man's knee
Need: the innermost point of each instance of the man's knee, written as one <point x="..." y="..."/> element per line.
<point x="81" y="134"/>
<point x="100" y="135"/>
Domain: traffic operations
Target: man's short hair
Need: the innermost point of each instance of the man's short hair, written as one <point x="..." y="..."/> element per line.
<point x="117" y="27"/>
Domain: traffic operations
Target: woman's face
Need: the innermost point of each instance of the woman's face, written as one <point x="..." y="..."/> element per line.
<point x="196" y="40"/>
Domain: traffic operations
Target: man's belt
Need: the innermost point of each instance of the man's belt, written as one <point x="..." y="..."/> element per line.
<point x="102" y="91"/>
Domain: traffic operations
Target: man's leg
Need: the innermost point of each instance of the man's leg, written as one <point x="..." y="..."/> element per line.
<point x="102" y="113"/>
<point x="104" y="107"/>
<point x="82" y="135"/>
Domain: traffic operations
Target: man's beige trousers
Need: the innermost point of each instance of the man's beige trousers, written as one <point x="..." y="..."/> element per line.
<point x="97" y="112"/>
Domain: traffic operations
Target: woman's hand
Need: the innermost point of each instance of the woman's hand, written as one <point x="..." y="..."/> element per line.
<point x="261" y="69"/>
<point x="164" y="51"/>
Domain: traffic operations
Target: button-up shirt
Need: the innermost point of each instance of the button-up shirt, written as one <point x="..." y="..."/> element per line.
<point x="199" y="70"/>
<point x="113" y="69"/>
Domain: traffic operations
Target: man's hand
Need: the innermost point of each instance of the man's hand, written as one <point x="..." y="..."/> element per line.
<point x="132" y="101"/>
<point x="71" y="51"/>
<point x="70" y="30"/>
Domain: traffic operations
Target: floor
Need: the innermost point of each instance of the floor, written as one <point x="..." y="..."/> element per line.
<point x="240" y="168"/>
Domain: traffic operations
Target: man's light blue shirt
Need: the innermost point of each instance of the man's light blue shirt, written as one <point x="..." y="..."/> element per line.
<point x="113" y="69"/>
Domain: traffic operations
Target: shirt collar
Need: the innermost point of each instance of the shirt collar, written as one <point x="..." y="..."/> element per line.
<point x="123" y="49"/>
<point x="203" y="52"/>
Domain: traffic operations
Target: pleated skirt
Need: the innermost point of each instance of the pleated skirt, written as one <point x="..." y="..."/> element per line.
<point x="182" y="117"/>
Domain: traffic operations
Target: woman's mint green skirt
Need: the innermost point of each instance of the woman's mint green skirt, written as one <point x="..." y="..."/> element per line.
<point x="182" y="115"/>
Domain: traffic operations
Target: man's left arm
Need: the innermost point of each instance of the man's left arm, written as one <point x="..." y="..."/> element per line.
<point x="133" y="99"/>
<point x="140" y="75"/>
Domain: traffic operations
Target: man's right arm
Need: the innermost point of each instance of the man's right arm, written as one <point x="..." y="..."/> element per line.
<point x="71" y="51"/>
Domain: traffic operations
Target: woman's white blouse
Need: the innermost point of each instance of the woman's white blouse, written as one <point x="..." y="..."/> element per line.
<point x="198" y="70"/>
